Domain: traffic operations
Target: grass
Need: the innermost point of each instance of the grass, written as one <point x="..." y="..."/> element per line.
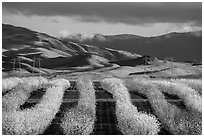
<point x="80" y="119"/>
<point x="34" y="82"/>
<point x="175" y="120"/>
<point x="30" y="82"/>
<point x="130" y="121"/>
<point x="15" y="99"/>
<point x="190" y="97"/>
<point x="36" y="119"/>
<point x="21" y="90"/>
<point x="10" y="83"/>
<point x="195" y="84"/>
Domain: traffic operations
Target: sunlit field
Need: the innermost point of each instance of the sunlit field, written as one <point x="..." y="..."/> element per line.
<point x="38" y="105"/>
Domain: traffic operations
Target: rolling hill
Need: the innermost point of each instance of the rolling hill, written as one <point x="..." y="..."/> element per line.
<point x="55" y="55"/>
<point x="102" y="55"/>
<point x="181" y="46"/>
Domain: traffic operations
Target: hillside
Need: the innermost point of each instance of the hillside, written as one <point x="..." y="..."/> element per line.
<point x="181" y="46"/>
<point x="27" y="46"/>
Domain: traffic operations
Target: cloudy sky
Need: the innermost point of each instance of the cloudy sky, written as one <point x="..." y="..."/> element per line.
<point x="146" y="19"/>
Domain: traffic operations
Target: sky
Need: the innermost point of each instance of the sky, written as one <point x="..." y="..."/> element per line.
<point x="62" y="19"/>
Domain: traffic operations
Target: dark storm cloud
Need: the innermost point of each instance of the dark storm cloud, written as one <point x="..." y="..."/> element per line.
<point x="129" y="13"/>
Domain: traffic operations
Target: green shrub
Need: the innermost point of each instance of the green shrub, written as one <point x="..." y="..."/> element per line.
<point x="190" y="97"/>
<point x="10" y="83"/>
<point x="20" y="91"/>
<point x="36" y="119"/>
<point x="80" y="119"/>
<point x="130" y="121"/>
<point x="195" y="84"/>
<point x="175" y="120"/>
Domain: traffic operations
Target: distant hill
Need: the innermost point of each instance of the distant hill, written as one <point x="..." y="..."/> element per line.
<point x="78" y="53"/>
<point x="55" y="54"/>
<point x="181" y="46"/>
